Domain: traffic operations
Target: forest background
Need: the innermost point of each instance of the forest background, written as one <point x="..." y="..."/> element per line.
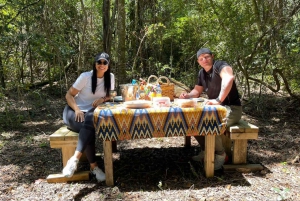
<point x="46" y="44"/>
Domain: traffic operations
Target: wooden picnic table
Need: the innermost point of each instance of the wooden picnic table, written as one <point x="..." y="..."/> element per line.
<point x="114" y="122"/>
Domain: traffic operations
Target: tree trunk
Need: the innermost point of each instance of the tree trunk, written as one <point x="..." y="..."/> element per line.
<point x="106" y="26"/>
<point x="2" y="74"/>
<point x="121" y="33"/>
<point x="81" y="41"/>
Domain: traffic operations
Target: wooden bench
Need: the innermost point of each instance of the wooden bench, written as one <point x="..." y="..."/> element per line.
<point x="66" y="140"/>
<point x="235" y="141"/>
<point x="236" y="138"/>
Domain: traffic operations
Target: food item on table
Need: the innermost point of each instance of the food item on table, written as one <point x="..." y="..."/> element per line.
<point x="137" y="104"/>
<point x="161" y="102"/>
<point x="186" y="103"/>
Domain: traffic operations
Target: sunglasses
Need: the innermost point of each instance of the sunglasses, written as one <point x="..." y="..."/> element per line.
<point x="102" y="63"/>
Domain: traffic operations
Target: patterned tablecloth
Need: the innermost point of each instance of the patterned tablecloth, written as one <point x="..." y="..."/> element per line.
<point x="115" y="122"/>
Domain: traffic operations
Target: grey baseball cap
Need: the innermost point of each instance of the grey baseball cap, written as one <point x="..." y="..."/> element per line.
<point x="203" y="51"/>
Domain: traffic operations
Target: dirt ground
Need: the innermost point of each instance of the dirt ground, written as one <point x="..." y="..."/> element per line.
<point x="149" y="169"/>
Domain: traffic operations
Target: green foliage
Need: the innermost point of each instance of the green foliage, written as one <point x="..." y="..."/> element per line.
<point x="40" y="39"/>
<point x="43" y="144"/>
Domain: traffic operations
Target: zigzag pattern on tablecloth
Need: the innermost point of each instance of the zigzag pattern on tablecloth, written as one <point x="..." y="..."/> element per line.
<point x="141" y="126"/>
<point x="107" y="126"/>
<point x="175" y="124"/>
<point x="158" y="120"/>
<point x="123" y="124"/>
<point x="209" y="122"/>
<point x="124" y="121"/>
<point x="192" y="119"/>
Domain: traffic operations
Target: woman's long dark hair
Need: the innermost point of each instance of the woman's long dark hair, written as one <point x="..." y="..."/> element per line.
<point x="107" y="83"/>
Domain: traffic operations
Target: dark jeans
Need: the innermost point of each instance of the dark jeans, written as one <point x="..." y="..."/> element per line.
<point x="86" y="130"/>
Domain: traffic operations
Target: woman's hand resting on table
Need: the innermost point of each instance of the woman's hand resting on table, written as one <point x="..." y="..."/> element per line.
<point x="98" y="102"/>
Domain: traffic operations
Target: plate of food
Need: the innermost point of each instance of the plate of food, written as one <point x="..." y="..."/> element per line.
<point x="183" y="103"/>
<point x="138" y="104"/>
<point x="198" y="99"/>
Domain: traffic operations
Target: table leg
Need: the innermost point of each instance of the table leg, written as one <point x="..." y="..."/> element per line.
<point x="108" y="163"/>
<point x="209" y="157"/>
<point x="187" y="141"/>
<point x="114" y="146"/>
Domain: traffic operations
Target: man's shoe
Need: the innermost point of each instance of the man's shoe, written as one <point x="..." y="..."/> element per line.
<point x="71" y="167"/>
<point x="100" y="176"/>
<point x="220" y="160"/>
<point x="199" y="157"/>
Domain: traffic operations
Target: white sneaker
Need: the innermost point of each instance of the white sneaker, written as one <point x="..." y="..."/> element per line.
<point x="100" y="176"/>
<point x="219" y="159"/>
<point x="71" y="167"/>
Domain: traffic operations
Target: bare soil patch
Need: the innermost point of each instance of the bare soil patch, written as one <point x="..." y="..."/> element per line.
<point x="151" y="169"/>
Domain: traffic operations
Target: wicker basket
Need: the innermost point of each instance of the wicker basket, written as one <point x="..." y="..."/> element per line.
<point x="166" y="87"/>
<point x="154" y="82"/>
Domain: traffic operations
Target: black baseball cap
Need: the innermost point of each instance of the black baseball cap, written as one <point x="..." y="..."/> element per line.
<point x="102" y="55"/>
<point x="203" y="51"/>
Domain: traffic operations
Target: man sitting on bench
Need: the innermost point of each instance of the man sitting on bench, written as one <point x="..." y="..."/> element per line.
<point x="216" y="79"/>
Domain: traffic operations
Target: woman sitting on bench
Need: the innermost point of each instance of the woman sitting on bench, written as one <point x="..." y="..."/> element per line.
<point x="90" y="89"/>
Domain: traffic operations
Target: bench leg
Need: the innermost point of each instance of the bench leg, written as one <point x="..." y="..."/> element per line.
<point x="187" y="141"/>
<point x="67" y="152"/>
<point x="239" y="155"/>
<point x="209" y="157"/>
<point x="108" y="163"/>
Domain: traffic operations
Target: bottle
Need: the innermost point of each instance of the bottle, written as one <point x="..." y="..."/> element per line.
<point x="133" y="82"/>
<point x="151" y="95"/>
<point x="158" y="91"/>
<point x="142" y="92"/>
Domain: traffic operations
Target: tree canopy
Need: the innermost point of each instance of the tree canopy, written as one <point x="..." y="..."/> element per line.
<point x="53" y="41"/>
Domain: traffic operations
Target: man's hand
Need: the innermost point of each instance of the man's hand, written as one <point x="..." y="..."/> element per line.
<point x="184" y="95"/>
<point x="79" y="116"/>
<point x="212" y="102"/>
